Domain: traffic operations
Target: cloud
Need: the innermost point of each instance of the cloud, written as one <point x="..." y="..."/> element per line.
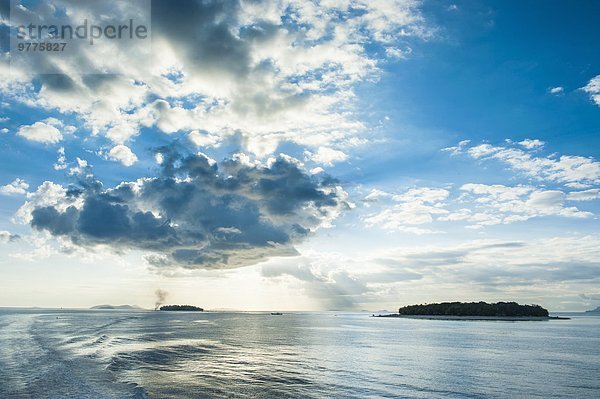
<point x="456" y="150"/>
<point x="327" y="156"/>
<point x="483" y="268"/>
<point x="498" y="204"/>
<point x="573" y="171"/>
<point x="593" y="89"/>
<point x="204" y="140"/>
<point x="476" y="270"/>
<point x="397" y="53"/>
<point x="123" y="154"/>
<point x="590" y="297"/>
<point x="8" y="237"/>
<point x="61" y="160"/>
<point x="422" y="210"/>
<point x="300" y="271"/>
<point x="402" y="212"/>
<point x="492" y="263"/>
<point x="17" y="187"/>
<point x="269" y="72"/>
<point x="586" y="195"/>
<point x="556" y="90"/>
<point x="40" y="132"/>
<point x="531" y="144"/>
<point x="334" y="289"/>
<point x="81" y="168"/>
<point x="196" y="213"/>
<point x="121" y="132"/>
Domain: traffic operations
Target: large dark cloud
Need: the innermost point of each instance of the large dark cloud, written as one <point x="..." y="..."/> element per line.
<point x="203" y="33"/>
<point x="197" y="213"/>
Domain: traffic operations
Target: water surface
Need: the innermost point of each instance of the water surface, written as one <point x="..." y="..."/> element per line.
<point x="139" y="354"/>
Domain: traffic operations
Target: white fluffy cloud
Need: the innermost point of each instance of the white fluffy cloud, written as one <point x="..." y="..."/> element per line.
<point x="586" y="195"/>
<point x="17" y="187"/>
<point x="123" y="154"/>
<point x="531" y="144"/>
<point x="593" y="89"/>
<point x="498" y="204"/>
<point x="405" y="211"/>
<point x="571" y="170"/>
<point x="61" y="160"/>
<point x="40" y="132"/>
<point x="47" y="194"/>
<point x="203" y="139"/>
<point x="327" y="156"/>
<point x="556" y="90"/>
<point x="423" y="210"/>
<point x="265" y="71"/>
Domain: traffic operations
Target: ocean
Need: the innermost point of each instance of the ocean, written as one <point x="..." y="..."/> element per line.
<point x="146" y="354"/>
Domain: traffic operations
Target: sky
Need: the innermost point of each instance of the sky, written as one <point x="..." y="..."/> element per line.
<point x="302" y="155"/>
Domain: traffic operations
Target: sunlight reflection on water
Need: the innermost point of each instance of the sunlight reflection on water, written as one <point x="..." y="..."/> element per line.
<point x="106" y="354"/>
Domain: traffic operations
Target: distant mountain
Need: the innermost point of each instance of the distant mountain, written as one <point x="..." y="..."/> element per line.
<point x="116" y="307"/>
<point x="597" y="310"/>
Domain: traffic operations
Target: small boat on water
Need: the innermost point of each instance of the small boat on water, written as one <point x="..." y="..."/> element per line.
<point x="276" y="314"/>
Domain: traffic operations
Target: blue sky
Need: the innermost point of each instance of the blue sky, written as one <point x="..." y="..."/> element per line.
<point x="382" y="153"/>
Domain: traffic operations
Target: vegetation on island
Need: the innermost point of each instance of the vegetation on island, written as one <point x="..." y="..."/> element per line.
<point x="500" y="309"/>
<point x="184" y="308"/>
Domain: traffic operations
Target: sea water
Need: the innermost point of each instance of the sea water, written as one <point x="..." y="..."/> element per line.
<point x="138" y="354"/>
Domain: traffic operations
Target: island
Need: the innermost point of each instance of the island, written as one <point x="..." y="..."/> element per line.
<point x="181" y="308"/>
<point x="510" y="311"/>
<point x="593" y="311"/>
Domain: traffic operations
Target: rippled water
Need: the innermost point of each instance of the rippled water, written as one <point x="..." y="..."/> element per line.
<point x="118" y="354"/>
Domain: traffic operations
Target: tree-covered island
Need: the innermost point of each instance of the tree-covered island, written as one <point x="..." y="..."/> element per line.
<point x="499" y="309"/>
<point x="181" y="308"/>
<point x="474" y="311"/>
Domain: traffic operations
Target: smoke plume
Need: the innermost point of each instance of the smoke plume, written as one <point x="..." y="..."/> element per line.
<point x="161" y="297"/>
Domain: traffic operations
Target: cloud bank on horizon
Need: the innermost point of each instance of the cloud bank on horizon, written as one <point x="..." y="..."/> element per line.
<point x="292" y="133"/>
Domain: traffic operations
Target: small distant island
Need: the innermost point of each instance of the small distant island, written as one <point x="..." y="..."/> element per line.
<point x="593" y="311"/>
<point x="181" y="308"/>
<point x="474" y="311"/>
